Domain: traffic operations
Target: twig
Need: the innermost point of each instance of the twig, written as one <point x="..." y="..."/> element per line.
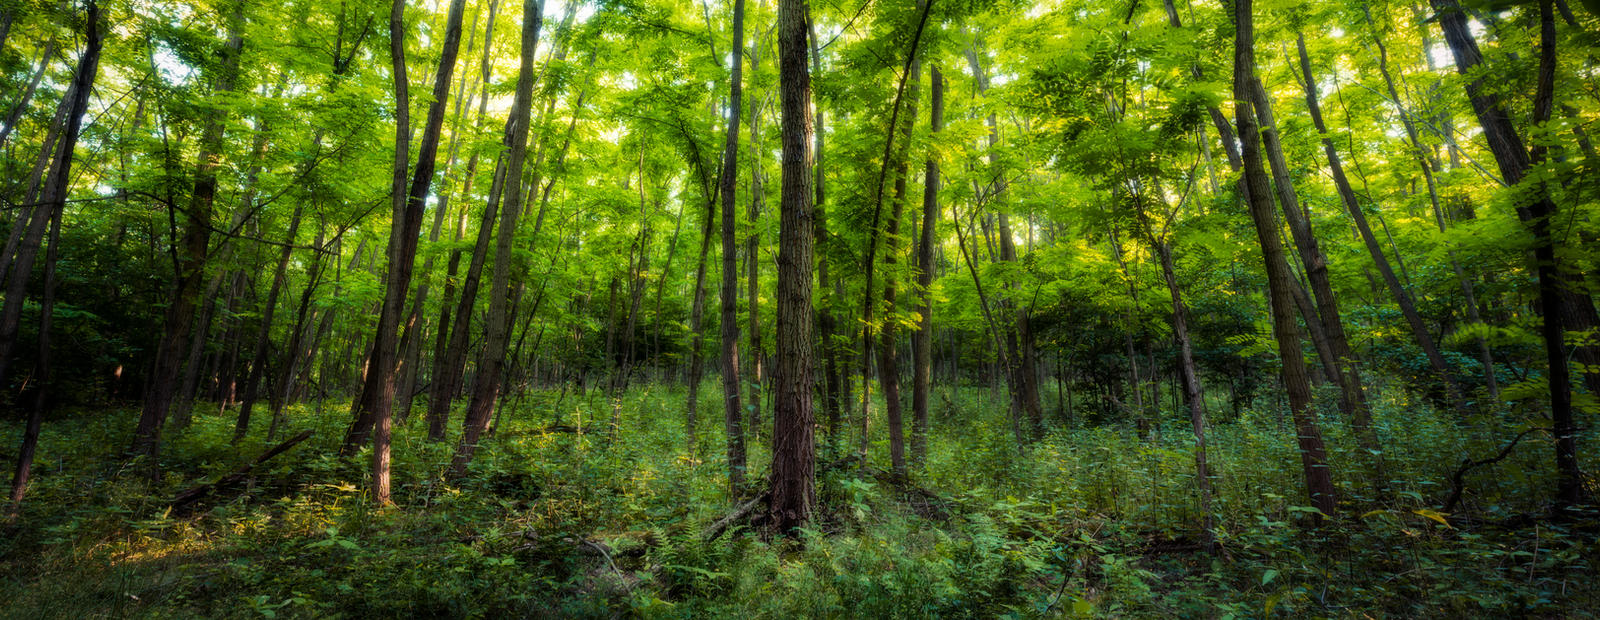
<point x="1458" y="480"/>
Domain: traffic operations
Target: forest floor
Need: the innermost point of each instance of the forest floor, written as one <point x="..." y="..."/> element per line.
<point x="1087" y="521"/>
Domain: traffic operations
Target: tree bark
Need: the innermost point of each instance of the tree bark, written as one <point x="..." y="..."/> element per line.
<point x="793" y="445"/>
<point x="189" y="269"/>
<point x="733" y="414"/>
<point x="486" y="383"/>
<point x="1313" y="455"/>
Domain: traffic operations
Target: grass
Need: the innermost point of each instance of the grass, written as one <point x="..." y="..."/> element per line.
<point x="1093" y="521"/>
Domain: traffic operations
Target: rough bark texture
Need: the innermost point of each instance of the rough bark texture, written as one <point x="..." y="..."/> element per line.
<point x="1313" y="455"/>
<point x="793" y="479"/>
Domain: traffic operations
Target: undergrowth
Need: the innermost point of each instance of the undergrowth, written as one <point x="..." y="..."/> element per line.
<point x="1095" y="521"/>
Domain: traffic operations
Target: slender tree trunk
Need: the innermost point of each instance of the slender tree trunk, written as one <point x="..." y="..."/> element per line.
<point x="52" y="198"/>
<point x="794" y="494"/>
<point x="834" y="385"/>
<point x="258" y="361"/>
<point x="733" y="413"/>
<point x="374" y="411"/>
<point x="889" y="334"/>
<point x="189" y="270"/>
<point x="922" y="339"/>
<point x="41" y="367"/>
<point x="447" y="352"/>
<point x="1313" y="455"/>
<point x="752" y="249"/>
<point x="486" y="383"/>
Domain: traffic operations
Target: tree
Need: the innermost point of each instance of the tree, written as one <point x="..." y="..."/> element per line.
<point x="486" y="385"/>
<point x="793" y="445"/>
<point x="732" y="413"/>
<point x="1313" y="455"/>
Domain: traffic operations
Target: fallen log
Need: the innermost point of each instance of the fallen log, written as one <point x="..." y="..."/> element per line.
<point x="183" y="501"/>
<point x="722" y="525"/>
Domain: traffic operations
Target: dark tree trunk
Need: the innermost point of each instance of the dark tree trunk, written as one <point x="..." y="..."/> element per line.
<point x="793" y="478"/>
<point x="189" y="269"/>
<point x="448" y="353"/>
<point x="732" y="412"/>
<point x="374" y="411"/>
<point x="1313" y="455"/>
<point x="52" y="199"/>
<point x="486" y="382"/>
<point x="41" y="365"/>
<point x="922" y="339"/>
<point x="258" y="361"/>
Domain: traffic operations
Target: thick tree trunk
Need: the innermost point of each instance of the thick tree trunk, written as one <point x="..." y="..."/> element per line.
<point x="1313" y="455"/>
<point x="793" y="479"/>
<point x="486" y="383"/>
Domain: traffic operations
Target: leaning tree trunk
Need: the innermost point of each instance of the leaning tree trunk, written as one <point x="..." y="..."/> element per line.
<point x="374" y="411"/>
<point x="56" y="185"/>
<point x="190" y="267"/>
<point x="1313" y="455"/>
<point x="258" y="361"/>
<point x="486" y="383"/>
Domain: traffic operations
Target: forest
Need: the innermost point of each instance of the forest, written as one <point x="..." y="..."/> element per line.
<point x="793" y="308"/>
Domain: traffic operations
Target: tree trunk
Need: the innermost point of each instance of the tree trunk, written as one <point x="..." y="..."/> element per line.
<point x="486" y="383"/>
<point x="1313" y="455"/>
<point x="922" y="339"/>
<point x="793" y="446"/>
<point x="374" y="411"/>
<point x="258" y="361"/>
<point x="447" y="352"/>
<point x="733" y="414"/>
<point x="189" y="270"/>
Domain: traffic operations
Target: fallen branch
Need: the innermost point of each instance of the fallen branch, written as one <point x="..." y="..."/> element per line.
<point x="194" y="494"/>
<point x="1458" y="480"/>
<point x="722" y="524"/>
